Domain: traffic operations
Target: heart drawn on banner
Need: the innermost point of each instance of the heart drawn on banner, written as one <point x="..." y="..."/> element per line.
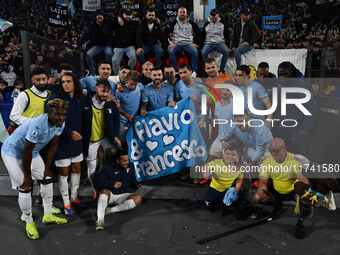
<point x="168" y="139"/>
<point x="151" y="145"/>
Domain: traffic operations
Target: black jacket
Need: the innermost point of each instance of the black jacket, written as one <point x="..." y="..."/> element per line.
<point x="126" y="34"/>
<point x="112" y="173"/>
<point x="147" y="37"/>
<point x="251" y="34"/>
<point x="112" y="121"/>
<point x="91" y="31"/>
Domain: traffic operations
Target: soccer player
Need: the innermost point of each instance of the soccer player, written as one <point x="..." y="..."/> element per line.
<point x="70" y="151"/>
<point x="255" y="139"/>
<point x="157" y="94"/>
<point x="259" y="95"/>
<point x="129" y="100"/>
<point x="113" y="181"/>
<point x="20" y="153"/>
<point x="100" y="125"/>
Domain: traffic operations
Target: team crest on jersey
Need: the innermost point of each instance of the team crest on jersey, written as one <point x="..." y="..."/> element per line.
<point x="34" y="134"/>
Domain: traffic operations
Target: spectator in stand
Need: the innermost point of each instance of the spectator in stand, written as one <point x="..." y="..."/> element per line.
<point x="6" y="102"/>
<point x="316" y="60"/>
<point x="186" y="36"/>
<point x="216" y="37"/>
<point x="125" y="42"/>
<point x="7" y="72"/>
<point x="149" y="34"/>
<point x="100" y="35"/>
<point x="245" y="34"/>
<point x="145" y="77"/>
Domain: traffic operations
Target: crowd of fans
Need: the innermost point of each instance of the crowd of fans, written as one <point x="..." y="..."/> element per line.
<point x="297" y="32"/>
<point x="86" y="125"/>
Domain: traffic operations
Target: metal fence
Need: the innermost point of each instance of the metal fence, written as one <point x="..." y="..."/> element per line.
<point x="50" y="54"/>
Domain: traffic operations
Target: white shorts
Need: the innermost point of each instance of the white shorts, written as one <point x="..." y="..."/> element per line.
<point x="16" y="169"/>
<point x="216" y="149"/>
<point x="118" y="199"/>
<point x="67" y="161"/>
<point x="122" y="133"/>
<point x="93" y="147"/>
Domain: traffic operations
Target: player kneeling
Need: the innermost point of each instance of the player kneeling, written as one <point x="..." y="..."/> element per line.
<point x="225" y="172"/>
<point x="113" y="182"/>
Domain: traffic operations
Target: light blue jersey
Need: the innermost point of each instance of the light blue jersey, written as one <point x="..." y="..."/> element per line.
<point x="129" y="101"/>
<point x="256" y="139"/>
<point x="37" y="131"/>
<point x="258" y="94"/>
<point x="89" y="83"/>
<point x="157" y="99"/>
<point x="196" y="89"/>
<point x="225" y="113"/>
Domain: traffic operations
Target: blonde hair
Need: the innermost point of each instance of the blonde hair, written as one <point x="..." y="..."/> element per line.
<point x="57" y="103"/>
<point x="147" y="63"/>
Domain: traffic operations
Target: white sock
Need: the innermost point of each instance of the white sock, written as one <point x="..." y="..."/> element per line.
<point x="126" y="205"/>
<point x="25" y="204"/>
<point x="46" y="191"/>
<point x="74" y="181"/>
<point x="102" y="204"/>
<point x="91" y="168"/>
<point x="63" y="187"/>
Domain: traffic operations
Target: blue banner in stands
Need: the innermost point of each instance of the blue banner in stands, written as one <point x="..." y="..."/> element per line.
<point x="165" y="141"/>
<point x="272" y="22"/>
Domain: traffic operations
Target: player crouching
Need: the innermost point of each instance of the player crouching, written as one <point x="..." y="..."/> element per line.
<point x="225" y="173"/>
<point x="20" y="153"/>
<point x="113" y="182"/>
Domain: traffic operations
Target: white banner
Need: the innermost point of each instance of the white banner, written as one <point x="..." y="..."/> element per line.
<point x="91" y="5"/>
<point x="198" y="11"/>
<point x="297" y="57"/>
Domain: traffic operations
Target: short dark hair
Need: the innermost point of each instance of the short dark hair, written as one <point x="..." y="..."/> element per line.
<point x="232" y="147"/>
<point x="150" y="10"/>
<point x="288" y="65"/>
<point x="169" y="66"/>
<point x="264" y="65"/>
<point x="185" y="65"/>
<point x="244" y="68"/>
<point x="38" y="70"/>
<point x="104" y="62"/>
<point x="209" y="61"/>
<point x="121" y="152"/>
<point x="103" y="82"/>
<point x="125" y="67"/>
<point x="156" y="68"/>
<point x="65" y="66"/>
<point x="4" y="82"/>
